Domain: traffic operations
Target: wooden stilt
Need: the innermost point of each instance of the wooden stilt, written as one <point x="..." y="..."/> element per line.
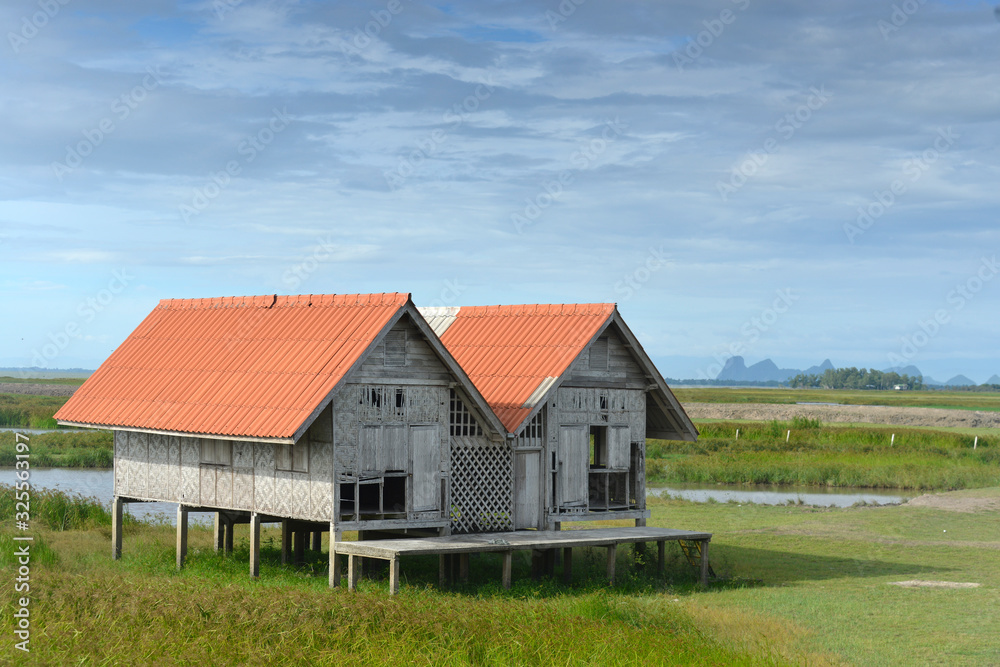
<point x="394" y="576"/>
<point x="299" y="537"/>
<point x="550" y="562"/>
<point x="568" y="565"/>
<point x="353" y="572"/>
<point x="230" y="526"/>
<point x="218" y="533"/>
<point x="508" y="561"/>
<point x="537" y="564"/>
<point x="317" y="540"/>
<point x="661" y="556"/>
<point x="254" y="545"/>
<point x="286" y="540"/>
<point x="463" y="568"/>
<point x="704" y="562"/>
<point x="612" y="556"/>
<point x="182" y="535"/>
<point x="443" y="571"/>
<point x="334" y="558"/>
<point x="117" y="514"/>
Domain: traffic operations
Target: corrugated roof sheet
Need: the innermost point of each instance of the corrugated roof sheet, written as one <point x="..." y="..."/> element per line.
<point x="510" y="351"/>
<point x="255" y="366"/>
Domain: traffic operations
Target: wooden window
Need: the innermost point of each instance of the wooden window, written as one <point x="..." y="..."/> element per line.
<point x="599" y="355"/>
<point x="395" y="348"/>
<point x="216" y="452"/>
<point x="461" y="420"/>
<point x="294" y="458"/>
<point x="533" y="434"/>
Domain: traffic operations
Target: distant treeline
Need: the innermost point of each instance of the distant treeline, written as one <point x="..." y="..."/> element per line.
<point x="856" y="378"/>
<point x="984" y="388"/>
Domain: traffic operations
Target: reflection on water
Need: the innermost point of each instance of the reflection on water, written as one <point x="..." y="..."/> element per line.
<point x="764" y="494"/>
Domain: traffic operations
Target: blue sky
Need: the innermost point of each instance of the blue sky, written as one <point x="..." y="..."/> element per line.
<point x="772" y="179"/>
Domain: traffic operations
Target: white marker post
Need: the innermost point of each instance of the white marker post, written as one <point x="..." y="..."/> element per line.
<point x="737" y="434"/>
<point x="975" y="442"/>
<point x="788" y="435"/>
<point x="892" y="442"/>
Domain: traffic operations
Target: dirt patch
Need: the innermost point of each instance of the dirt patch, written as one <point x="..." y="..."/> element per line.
<point x="37" y="389"/>
<point x="917" y="583"/>
<point x="955" y="503"/>
<point x="868" y="414"/>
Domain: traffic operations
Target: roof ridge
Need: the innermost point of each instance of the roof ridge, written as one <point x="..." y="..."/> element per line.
<point x="286" y="301"/>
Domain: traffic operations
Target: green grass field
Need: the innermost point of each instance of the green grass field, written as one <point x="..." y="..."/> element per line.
<point x="816" y="455"/>
<point x="18" y="380"/>
<point x="65" y="449"/>
<point x="960" y="400"/>
<point x="799" y="585"/>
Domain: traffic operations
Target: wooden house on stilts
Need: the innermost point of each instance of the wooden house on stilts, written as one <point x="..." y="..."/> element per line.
<point x="436" y="428"/>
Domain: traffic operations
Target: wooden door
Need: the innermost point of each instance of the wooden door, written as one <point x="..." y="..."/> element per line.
<point x="619" y="447"/>
<point x="527" y="494"/>
<point x="574" y="465"/>
<point x="425" y="445"/>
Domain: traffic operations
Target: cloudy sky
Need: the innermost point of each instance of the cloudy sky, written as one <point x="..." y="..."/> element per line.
<point x="768" y="178"/>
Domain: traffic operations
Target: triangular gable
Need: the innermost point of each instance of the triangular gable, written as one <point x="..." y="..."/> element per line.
<point x="515" y="354"/>
<point x="518" y="365"/>
<point x="247" y="367"/>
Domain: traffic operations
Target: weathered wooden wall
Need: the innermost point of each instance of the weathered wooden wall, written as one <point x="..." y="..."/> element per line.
<point x="160" y="467"/>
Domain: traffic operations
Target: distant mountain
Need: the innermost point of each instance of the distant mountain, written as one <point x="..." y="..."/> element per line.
<point x="931" y="382"/>
<point x="827" y="365"/>
<point x="960" y="381"/>
<point x="910" y="370"/>
<point x="736" y="370"/>
<point x="993" y="380"/>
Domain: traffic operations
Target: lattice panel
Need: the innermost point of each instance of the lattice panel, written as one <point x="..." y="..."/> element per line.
<point x="482" y="476"/>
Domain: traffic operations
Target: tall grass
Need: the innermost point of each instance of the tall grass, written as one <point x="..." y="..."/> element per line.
<point x="29" y="411"/>
<point x="962" y="400"/>
<point x="57" y="510"/>
<point x="68" y="449"/>
<point x="827" y="456"/>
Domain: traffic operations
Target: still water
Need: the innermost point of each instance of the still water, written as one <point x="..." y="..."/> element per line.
<point x="765" y="494"/>
<point x="99" y="484"/>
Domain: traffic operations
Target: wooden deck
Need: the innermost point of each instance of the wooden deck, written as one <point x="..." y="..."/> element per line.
<point x="538" y="541"/>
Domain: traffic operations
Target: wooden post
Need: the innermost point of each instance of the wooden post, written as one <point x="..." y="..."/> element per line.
<point x="394" y="575"/>
<point x="568" y="565"/>
<point x="463" y="568"/>
<point x="661" y="556"/>
<point x="218" y="533"/>
<point x="334" y="558"/>
<point x="704" y="562"/>
<point x="317" y="540"/>
<point x="300" y="536"/>
<point x="286" y="540"/>
<point x="230" y="527"/>
<point x="537" y="563"/>
<point x="353" y="571"/>
<point x="612" y="555"/>
<point x="254" y="545"/>
<point x="443" y="570"/>
<point x="182" y="535"/>
<point x="508" y="558"/>
<point x="117" y="513"/>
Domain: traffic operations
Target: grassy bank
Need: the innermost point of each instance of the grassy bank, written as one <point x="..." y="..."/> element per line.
<point x="803" y="586"/>
<point x="959" y="400"/>
<point x="67" y="449"/>
<point x="826" y="456"/>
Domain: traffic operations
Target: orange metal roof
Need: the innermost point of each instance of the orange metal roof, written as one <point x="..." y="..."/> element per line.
<point x="255" y="366"/>
<point x="509" y="351"/>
